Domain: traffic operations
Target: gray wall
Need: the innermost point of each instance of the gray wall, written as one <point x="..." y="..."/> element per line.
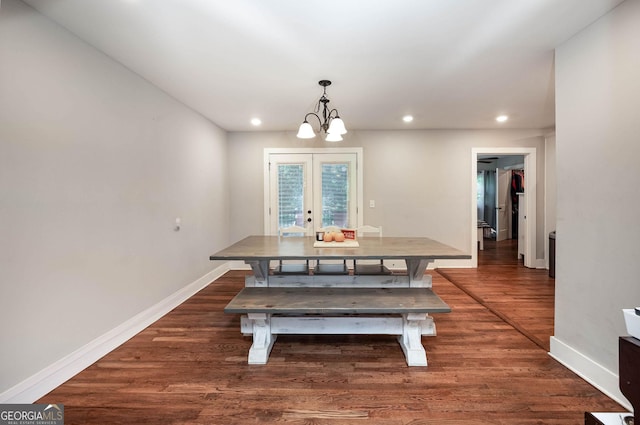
<point x="95" y="165"/>
<point x="551" y="186"/>
<point x="420" y="180"/>
<point x="598" y="107"/>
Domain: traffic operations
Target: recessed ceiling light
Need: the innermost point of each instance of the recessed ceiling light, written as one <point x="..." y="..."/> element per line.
<point x="407" y="118"/>
<point x="502" y="118"/>
<point x="256" y="121"/>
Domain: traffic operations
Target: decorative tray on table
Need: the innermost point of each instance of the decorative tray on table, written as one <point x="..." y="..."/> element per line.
<point x="349" y="243"/>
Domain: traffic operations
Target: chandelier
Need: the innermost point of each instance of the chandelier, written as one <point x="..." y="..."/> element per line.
<point x="330" y="122"/>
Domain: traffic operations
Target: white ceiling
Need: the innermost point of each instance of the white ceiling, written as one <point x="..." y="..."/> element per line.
<point x="450" y="63"/>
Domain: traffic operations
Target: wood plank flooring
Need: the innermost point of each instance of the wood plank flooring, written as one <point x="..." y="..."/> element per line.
<point x="522" y="297"/>
<point x="190" y="367"/>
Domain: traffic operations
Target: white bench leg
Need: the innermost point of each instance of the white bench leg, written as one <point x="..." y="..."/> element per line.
<point x="263" y="339"/>
<point x="411" y="339"/>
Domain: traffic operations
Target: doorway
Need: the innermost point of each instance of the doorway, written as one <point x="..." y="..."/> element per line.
<point x="312" y="189"/>
<point x="500" y="179"/>
<point x="528" y="235"/>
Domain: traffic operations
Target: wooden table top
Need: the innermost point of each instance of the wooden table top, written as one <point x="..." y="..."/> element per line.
<point x="276" y="247"/>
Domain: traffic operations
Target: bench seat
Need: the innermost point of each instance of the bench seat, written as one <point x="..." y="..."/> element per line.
<point x="337" y="310"/>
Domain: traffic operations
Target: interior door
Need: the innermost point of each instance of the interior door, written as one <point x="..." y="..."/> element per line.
<point x="503" y="189"/>
<point x="312" y="190"/>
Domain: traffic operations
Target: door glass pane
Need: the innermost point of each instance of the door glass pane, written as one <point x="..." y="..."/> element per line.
<point x="290" y="195"/>
<point x="335" y="194"/>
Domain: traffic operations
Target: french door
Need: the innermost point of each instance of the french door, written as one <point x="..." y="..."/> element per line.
<point x="312" y="190"/>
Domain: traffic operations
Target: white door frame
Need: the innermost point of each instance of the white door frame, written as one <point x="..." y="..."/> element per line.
<point x="359" y="176"/>
<point x="530" y="167"/>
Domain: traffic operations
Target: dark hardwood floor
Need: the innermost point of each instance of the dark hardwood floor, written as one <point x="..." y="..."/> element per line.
<point x="522" y="297"/>
<point x="190" y="367"/>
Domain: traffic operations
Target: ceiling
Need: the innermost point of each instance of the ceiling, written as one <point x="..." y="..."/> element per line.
<point x="449" y="63"/>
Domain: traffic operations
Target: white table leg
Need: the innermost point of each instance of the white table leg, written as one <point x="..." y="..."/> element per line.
<point x="411" y="339"/>
<point x="415" y="270"/>
<point x="260" y="272"/>
<point x="481" y="238"/>
<point x="263" y="339"/>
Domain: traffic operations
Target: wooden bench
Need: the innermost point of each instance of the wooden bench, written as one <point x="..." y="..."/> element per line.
<point x="337" y="310"/>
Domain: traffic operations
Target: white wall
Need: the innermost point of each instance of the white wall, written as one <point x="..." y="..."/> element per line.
<point x="550" y="190"/>
<point x="420" y="180"/>
<point x="598" y="267"/>
<point x="95" y="165"/>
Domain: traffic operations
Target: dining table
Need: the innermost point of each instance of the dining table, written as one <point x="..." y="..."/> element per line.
<point x="259" y="251"/>
<point x="269" y="300"/>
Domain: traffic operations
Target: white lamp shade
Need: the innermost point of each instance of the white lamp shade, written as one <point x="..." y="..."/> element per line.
<point x="333" y="137"/>
<point x="306" y="131"/>
<point x="337" y="126"/>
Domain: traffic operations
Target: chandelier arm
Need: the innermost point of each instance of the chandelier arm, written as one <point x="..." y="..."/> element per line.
<point x="315" y="115"/>
<point x="332" y="111"/>
<point x="328" y="117"/>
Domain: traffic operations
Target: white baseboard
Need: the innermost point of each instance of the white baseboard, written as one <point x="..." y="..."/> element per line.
<point x="597" y="375"/>
<point x="451" y="264"/>
<point x="43" y="382"/>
